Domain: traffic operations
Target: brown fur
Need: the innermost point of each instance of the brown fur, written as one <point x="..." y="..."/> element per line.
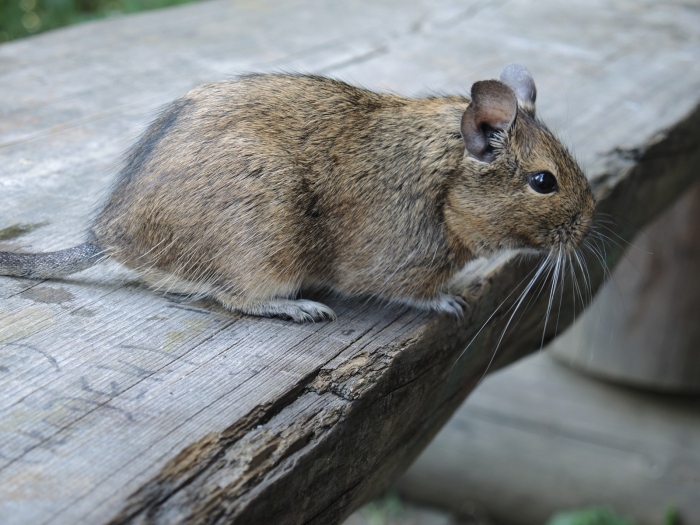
<point x="251" y="189"/>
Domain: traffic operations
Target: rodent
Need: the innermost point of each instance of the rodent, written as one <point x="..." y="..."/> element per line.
<point x="251" y="189"/>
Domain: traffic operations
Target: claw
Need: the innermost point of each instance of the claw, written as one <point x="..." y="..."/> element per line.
<point x="452" y="305"/>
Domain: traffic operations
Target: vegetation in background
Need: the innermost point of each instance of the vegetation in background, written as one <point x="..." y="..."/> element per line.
<point x="592" y="516"/>
<point x="385" y="510"/>
<point x="392" y="510"/>
<point x="603" y="516"/>
<point x="20" y="18"/>
<point x="672" y="517"/>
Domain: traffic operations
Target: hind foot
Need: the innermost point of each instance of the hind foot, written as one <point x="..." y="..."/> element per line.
<point x="299" y="310"/>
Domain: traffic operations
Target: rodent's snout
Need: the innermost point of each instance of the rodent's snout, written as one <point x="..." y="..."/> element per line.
<point x="570" y="235"/>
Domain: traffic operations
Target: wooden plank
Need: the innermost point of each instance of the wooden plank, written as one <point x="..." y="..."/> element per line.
<point x="537" y="438"/>
<point x="123" y="406"/>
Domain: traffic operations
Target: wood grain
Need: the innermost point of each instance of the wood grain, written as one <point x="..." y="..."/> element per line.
<point x="119" y="405"/>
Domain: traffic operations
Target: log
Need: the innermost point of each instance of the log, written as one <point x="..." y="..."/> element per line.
<point x="537" y="438"/>
<point x="122" y="406"/>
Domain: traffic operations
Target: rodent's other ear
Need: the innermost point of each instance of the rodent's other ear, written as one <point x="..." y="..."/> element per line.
<point x="493" y="108"/>
<point x="519" y="79"/>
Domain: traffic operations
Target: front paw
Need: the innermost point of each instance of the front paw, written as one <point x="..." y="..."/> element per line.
<point x="453" y="305"/>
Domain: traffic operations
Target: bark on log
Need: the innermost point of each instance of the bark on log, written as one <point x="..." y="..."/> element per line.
<point x="121" y="406"/>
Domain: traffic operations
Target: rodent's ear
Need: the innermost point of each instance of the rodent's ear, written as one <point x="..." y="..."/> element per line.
<point x="493" y="108"/>
<point x="519" y="79"/>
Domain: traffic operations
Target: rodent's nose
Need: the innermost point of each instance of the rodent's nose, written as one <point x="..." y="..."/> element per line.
<point x="572" y="233"/>
<point x="582" y="228"/>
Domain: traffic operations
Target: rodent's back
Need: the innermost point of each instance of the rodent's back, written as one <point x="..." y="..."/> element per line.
<point x="291" y="176"/>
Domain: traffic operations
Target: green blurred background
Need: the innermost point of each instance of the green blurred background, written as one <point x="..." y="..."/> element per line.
<point x="20" y="18"/>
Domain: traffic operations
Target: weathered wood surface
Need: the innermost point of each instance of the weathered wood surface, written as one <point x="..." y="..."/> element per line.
<point x="118" y="405"/>
<point x="538" y="437"/>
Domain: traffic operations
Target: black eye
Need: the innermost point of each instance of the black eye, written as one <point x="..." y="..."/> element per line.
<point x="543" y="182"/>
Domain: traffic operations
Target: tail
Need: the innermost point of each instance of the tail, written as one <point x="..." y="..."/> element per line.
<point x="50" y="264"/>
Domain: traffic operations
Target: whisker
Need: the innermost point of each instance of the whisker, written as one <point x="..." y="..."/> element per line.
<point x="538" y="270"/>
<point x="631" y="245"/>
<point x="561" y="293"/>
<point x="600" y="255"/>
<point x="538" y="291"/>
<point x="608" y="274"/>
<point x="515" y="308"/>
<point x="577" y="288"/>
<point x="584" y="274"/>
<point x="555" y="280"/>
<point x="616" y="220"/>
